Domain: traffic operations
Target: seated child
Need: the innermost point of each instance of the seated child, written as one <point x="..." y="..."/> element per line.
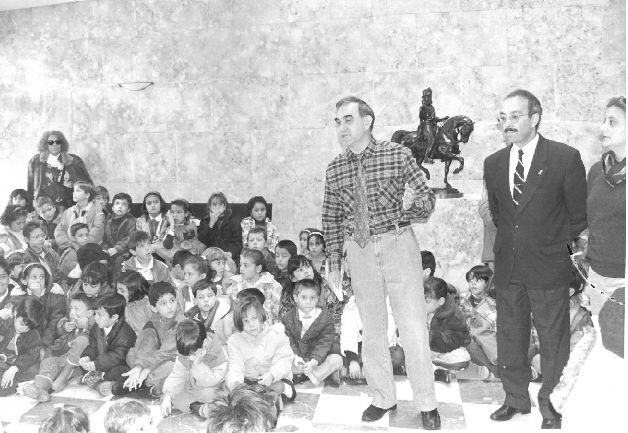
<point x="198" y="370"/>
<point x="222" y="265"/>
<point x="178" y="262"/>
<point x="129" y="416"/>
<point x="6" y="306"/>
<point x="253" y="275"/>
<point x="84" y="211"/>
<point x="257" y="241"/>
<point x="312" y="335"/>
<point x="37" y="251"/>
<point x="101" y="196"/>
<point x="152" y="357"/>
<point x="94" y="282"/>
<point x="79" y="233"/>
<point x="143" y="262"/>
<point x="480" y="312"/>
<point x="56" y="371"/>
<point x="11" y="224"/>
<point x="109" y="343"/>
<point x="303" y="234"/>
<point x="214" y="312"/>
<point x="119" y="227"/>
<point x="259" y="353"/>
<point x="284" y="251"/>
<point x="195" y="269"/>
<point x="257" y="218"/>
<point x="36" y="282"/>
<point x="21" y="197"/>
<point x="448" y="332"/>
<point x="153" y="219"/>
<point x="428" y="262"/>
<point x="16" y="261"/>
<point x="66" y="419"/>
<point x="20" y="347"/>
<point x="134" y="288"/>
<point x="49" y="216"/>
<point x="247" y="408"/>
<point x="181" y="233"/>
<point x="316" y="252"/>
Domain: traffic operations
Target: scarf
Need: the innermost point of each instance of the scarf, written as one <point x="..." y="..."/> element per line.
<point x="614" y="171"/>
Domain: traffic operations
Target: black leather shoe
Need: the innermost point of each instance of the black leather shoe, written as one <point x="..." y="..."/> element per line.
<point x="554" y="422"/>
<point x="373" y="413"/>
<point x="431" y="420"/>
<point x="506" y="412"/>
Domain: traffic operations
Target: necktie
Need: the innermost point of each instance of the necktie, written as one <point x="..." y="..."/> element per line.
<point x="361" y="223"/>
<point x="152" y="224"/>
<point x="518" y="180"/>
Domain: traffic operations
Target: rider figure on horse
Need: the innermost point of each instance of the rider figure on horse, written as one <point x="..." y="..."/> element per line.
<point x="428" y="123"/>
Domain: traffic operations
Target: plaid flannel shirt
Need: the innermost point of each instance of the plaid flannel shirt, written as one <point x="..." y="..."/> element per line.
<point x="389" y="166"/>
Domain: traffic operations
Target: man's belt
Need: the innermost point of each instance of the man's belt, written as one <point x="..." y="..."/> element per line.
<point x="389" y="228"/>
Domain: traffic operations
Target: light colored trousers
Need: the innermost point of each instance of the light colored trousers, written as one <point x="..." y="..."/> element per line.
<point x="391" y="264"/>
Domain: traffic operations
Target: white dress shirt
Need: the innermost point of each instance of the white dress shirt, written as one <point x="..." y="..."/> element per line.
<point x="528" y="154"/>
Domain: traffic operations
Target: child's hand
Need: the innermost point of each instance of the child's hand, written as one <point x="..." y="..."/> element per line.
<point x="166" y="405"/>
<point x="170" y="217"/>
<point x="197" y="358"/>
<point x="89" y="366"/>
<point x="307" y="368"/>
<point x="355" y="372"/>
<point x="112" y="251"/>
<point x="82" y="323"/>
<point x="133" y="376"/>
<point x="69" y="326"/>
<point x="8" y="376"/>
<point x="266" y="379"/>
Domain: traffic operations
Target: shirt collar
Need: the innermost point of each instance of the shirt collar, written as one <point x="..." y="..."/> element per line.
<point x="157" y="218"/>
<point x="312" y="314"/>
<point x="529" y="148"/>
<point x="148" y="267"/>
<point x="367" y="151"/>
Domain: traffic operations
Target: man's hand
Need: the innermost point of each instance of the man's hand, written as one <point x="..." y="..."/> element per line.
<point x="8" y="376"/>
<point x="409" y="195"/>
<point x="266" y="379"/>
<point x="355" y="371"/>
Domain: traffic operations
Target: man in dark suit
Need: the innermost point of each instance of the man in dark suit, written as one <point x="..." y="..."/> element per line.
<point x="537" y="196"/>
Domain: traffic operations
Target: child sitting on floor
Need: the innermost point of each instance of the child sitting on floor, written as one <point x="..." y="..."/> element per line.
<point x="20" y="347"/>
<point x="259" y="353"/>
<point x="257" y="218"/>
<point x="49" y="216"/>
<point x="154" y="220"/>
<point x="119" y="227"/>
<point x="11" y="224"/>
<point x="129" y="416"/>
<point x="195" y="269"/>
<point x="317" y="252"/>
<point x="56" y="371"/>
<point x="66" y="419"/>
<point x="143" y="262"/>
<point x="103" y="360"/>
<point x="222" y="265"/>
<point x="79" y="233"/>
<point x="84" y="211"/>
<point x="214" y="312"/>
<point x="134" y="288"/>
<point x="257" y="241"/>
<point x="312" y="336"/>
<point x="153" y="355"/>
<point x="253" y="275"/>
<point x="198" y="370"/>
<point x="448" y="332"/>
<point x="182" y="231"/>
<point x="94" y="282"/>
<point x="284" y="251"/>
<point x="37" y="251"/>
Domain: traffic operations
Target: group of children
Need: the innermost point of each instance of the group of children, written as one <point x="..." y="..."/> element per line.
<point x="140" y="305"/>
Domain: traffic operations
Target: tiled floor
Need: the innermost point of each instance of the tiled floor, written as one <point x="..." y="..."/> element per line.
<point x="596" y="404"/>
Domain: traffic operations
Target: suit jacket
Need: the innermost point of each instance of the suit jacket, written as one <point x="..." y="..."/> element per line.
<point x="110" y="351"/>
<point x="551" y="213"/>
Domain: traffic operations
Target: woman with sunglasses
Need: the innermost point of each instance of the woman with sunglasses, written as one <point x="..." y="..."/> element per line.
<point x="53" y="171"/>
<point x="606" y="208"/>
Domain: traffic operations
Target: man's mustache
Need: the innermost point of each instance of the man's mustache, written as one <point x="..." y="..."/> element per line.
<point x="510" y="130"/>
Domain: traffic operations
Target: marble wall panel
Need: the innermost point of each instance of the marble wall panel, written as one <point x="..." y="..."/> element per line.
<point x="313" y="48"/>
<point x="171" y="15"/>
<point x="116" y="18"/>
<point x="272" y="50"/>
<point x="92" y="150"/>
<point x="552" y="3"/>
<point x="83" y="20"/>
<point x="418" y="7"/>
<point x="614" y="35"/>
<point x="156" y="157"/>
<point x="160" y="108"/>
<point x="322" y="10"/>
<point x="120" y="156"/>
<point x="395" y="47"/>
<point x="82" y="61"/>
<point x="480" y="5"/>
<point x="242" y="13"/>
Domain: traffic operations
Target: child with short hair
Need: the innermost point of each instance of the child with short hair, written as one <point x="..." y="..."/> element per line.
<point x="428" y="263"/>
<point x="178" y="262"/>
<point x="16" y="261"/>
<point x="259" y="353"/>
<point x="56" y="371"/>
<point x="21" y="197"/>
<point x="101" y="196"/>
<point x="181" y="232"/>
<point x="129" y="416"/>
<point x="37" y="282"/>
<point x="257" y="241"/>
<point x="66" y="419"/>
<point x="143" y="261"/>
<point x="109" y="343"/>
<point x="284" y="251"/>
<point x="222" y="265"/>
<point x="214" y="312"/>
<point x="253" y="274"/>
<point x="84" y="211"/>
<point x="448" y="332"/>
<point x="312" y="335"/>
<point x="79" y="233"/>
<point x="20" y="347"/>
<point x="94" y="282"/>
<point x="11" y="224"/>
<point x="119" y="227"/>
<point x="195" y="269"/>
<point x="134" y="288"/>
<point x="152" y="357"/>
<point x="35" y="237"/>
<point x="199" y="369"/>
<point x="480" y="312"/>
<point x="6" y="305"/>
<point x="257" y="218"/>
<point x="50" y="216"/>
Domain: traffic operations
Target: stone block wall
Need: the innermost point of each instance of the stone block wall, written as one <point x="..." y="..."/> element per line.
<point x="244" y="90"/>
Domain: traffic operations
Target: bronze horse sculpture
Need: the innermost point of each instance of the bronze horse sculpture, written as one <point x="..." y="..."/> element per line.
<point x="453" y="131"/>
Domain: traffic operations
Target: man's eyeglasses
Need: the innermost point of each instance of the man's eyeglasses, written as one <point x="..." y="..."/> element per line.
<point x="53" y="142"/>
<point x="514" y="118"/>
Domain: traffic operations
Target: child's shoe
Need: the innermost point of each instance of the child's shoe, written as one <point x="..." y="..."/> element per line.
<point x="441" y="375"/>
<point x="104" y="387"/>
<point x="92" y="378"/>
<point x="196" y="407"/>
<point x="291" y="393"/>
<point x="63" y="378"/>
<point x="32" y="391"/>
<point x="117" y="388"/>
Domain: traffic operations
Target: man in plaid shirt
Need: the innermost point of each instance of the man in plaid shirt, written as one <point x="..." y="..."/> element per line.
<point x="373" y="191"/>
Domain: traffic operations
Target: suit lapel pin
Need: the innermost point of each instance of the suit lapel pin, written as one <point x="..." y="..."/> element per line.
<point x="540" y="172"/>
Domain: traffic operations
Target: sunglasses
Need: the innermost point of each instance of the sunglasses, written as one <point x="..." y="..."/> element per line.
<point x="53" y="142"/>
